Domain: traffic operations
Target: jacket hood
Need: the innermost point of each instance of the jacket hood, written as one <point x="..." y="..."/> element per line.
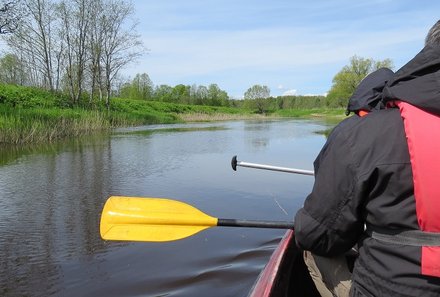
<point x="368" y="94"/>
<point x="418" y="82"/>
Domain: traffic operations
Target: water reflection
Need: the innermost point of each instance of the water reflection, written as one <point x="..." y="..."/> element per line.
<point x="51" y="198"/>
<point x="48" y="212"/>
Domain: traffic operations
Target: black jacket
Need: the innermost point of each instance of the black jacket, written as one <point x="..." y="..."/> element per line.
<point x="363" y="176"/>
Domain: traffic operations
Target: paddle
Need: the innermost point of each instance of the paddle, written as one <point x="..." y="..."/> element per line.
<point x="235" y="163"/>
<point x="158" y="219"/>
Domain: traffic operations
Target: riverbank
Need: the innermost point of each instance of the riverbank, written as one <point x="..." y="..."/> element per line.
<point x="31" y="115"/>
<point x="334" y="115"/>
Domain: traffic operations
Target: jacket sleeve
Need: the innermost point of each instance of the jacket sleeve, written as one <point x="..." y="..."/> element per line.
<point x="330" y="221"/>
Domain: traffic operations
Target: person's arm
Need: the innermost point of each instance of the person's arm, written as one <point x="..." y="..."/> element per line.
<point x="330" y="223"/>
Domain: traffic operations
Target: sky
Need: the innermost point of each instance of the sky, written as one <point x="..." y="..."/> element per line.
<point x="292" y="47"/>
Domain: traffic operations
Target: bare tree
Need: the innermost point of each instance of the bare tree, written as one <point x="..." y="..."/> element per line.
<point x="11" y="12"/>
<point x="81" y="44"/>
<point x="75" y="18"/>
<point x="33" y="41"/>
<point x="121" y="45"/>
<point x="95" y="42"/>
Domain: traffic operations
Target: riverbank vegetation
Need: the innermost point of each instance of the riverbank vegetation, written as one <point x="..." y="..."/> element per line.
<point x="30" y="114"/>
<point x="35" y="114"/>
<point x="60" y="77"/>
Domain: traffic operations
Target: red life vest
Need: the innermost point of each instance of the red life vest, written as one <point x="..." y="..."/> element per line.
<point x="422" y="132"/>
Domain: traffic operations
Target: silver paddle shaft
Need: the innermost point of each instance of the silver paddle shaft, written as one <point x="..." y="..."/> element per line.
<point x="236" y="163"/>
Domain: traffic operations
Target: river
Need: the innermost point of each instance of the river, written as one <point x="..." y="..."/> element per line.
<point x="51" y="198"/>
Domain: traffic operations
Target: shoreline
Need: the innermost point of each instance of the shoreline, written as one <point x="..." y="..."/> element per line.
<point x="39" y="130"/>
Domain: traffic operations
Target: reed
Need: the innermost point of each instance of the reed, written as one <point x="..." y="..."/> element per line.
<point x="46" y="125"/>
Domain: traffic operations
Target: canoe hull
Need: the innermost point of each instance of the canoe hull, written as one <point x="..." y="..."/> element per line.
<point x="285" y="274"/>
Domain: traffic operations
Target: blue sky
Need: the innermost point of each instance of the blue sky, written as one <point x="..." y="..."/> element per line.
<point x="290" y="46"/>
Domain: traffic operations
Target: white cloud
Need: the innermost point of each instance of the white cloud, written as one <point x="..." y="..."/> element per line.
<point x="292" y="92"/>
<point x="312" y="95"/>
<point x="277" y="53"/>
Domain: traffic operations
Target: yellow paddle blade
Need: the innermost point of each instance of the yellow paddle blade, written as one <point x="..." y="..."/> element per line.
<point x="151" y="219"/>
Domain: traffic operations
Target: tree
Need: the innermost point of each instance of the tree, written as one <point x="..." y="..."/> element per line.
<point x="121" y="44"/>
<point x="163" y="93"/>
<point x="257" y="98"/>
<point x="84" y="42"/>
<point x="216" y="96"/>
<point x="181" y="94"/>
<point x="11" y="70"/>
<point x="75" y="18"/>
<point x="141" y="87"/>
<point x="257" y="92"/>
<point x="11" y="12"/>
<point x="94" y="42"/>
<point x="34" y="42"/>
<point x="202" y="95"/>
<point x="346" y="81"/>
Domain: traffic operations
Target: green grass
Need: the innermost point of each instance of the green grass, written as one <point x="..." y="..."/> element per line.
<point x="19" y="126"/>
<point x="33" y="115"/>
<point x="314" y="112"/>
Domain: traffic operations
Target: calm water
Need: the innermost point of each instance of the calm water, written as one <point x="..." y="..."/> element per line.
<point x="51" y="198"/>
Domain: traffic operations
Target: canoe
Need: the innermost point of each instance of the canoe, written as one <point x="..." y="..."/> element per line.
<point x="285" y="274"/>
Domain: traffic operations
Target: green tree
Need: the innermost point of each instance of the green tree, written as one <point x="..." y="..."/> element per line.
<point x="181" y="94"/>
<point x="346" y="81"/>
<point x="256" y="97"/>
<point x="141" y="87"/>
<point x="201" y="95"/>
<point x="11" y="70"/>
<point x="217" y="97"/>
<point x="163" y="93"/>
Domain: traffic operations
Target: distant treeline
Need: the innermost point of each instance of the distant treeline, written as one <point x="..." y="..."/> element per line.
<point x="256" y="98"/>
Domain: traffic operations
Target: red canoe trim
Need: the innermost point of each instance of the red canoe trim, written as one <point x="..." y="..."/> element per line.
<point x="267" y="277"/>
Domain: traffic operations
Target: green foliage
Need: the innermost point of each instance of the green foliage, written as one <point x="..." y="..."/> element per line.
<point x="22" y="125"/>
<point x="332" y="112"/>
<point x="163" y="93"/>
<point x="142" y="87"/>
<point x="216" y="96"/>
<point x="256" y="98"/>
<point x="182" y="94"/>
<point x="29" y="114"/>
<point x="298" y="102"/>
<point x="11" y="70"/>
<point x="257" y="92"/>
<point x="30" y="97"/>
<point x="346" y="81"/>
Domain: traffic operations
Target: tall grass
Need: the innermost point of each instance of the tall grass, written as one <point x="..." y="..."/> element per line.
<point x="19" y="126"/>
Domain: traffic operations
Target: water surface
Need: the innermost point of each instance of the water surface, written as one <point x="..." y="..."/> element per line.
<point x="51" y="198"/>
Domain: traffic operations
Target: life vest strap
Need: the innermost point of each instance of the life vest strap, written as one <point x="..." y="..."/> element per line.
<point x="404" y="237"/>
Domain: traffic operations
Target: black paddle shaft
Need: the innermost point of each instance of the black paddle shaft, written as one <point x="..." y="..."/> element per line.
<point x="254" y="224"/>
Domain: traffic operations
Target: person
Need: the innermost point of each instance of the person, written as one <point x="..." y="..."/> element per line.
<point x="376" y="189"/>
<point x="365" y="99"/>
